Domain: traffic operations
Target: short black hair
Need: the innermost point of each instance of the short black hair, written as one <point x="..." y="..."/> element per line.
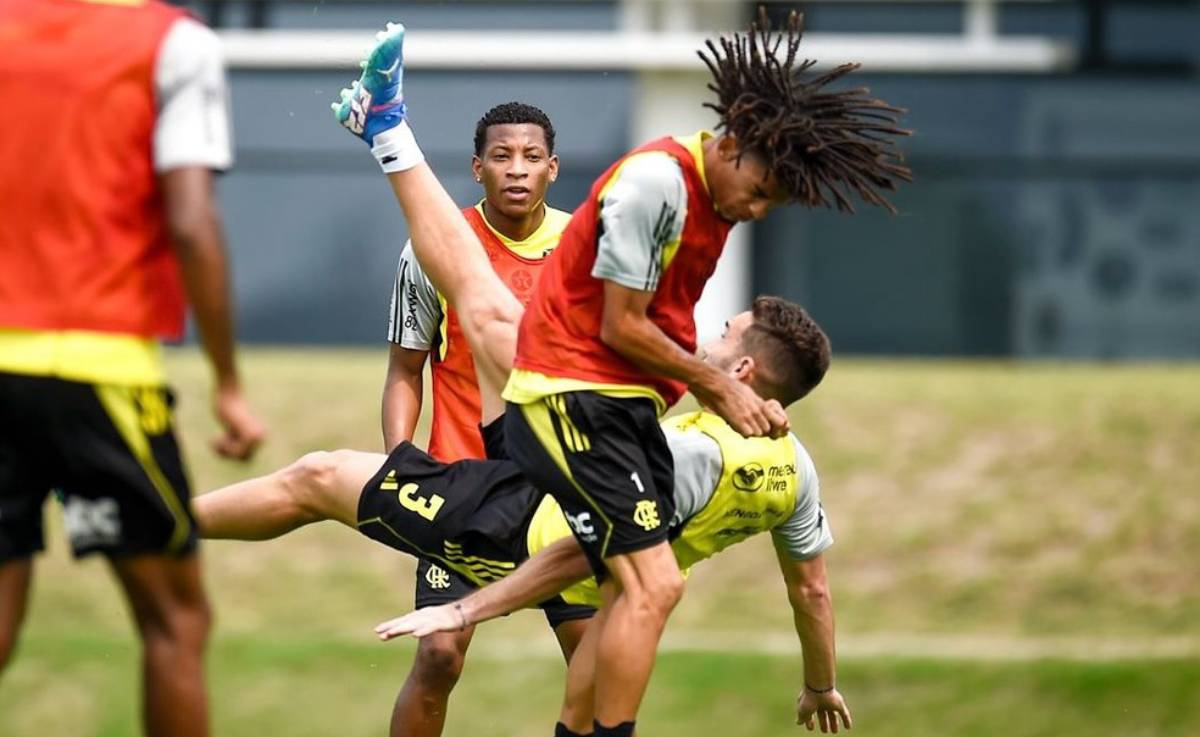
<point x="820" y="144"/>
<point x="513" y="113"/>
<point x="790" y="348"/>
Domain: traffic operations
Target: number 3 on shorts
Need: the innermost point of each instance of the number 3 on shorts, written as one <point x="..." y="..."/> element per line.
<point x="414" y="502"/>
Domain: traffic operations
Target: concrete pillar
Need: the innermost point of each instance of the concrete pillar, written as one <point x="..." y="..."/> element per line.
<point x="671" y="103"/>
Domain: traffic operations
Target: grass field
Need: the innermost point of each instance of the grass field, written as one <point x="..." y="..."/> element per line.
<point x="1016" y="555"/>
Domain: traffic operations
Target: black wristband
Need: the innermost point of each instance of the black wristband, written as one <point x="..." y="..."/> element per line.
<point x="462" y="617"/>
<point x="819" y="690"/>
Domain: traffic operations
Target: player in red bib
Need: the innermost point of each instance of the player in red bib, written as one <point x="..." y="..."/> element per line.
<point x="515" y="162"/>
<point x="109" y="229"/>
<point x="608" y="342"/>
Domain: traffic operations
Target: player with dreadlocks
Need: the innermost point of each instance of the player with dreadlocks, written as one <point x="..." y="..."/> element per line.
<point x="608" y="342"/>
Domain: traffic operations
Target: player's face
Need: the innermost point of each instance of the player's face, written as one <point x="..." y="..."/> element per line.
<point x="725" y="352"/>
<point x="746" y="189"/>
<point x="515" y="169"/>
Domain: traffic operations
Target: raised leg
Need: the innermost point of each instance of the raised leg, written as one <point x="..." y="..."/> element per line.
<point x="319" y="486"/>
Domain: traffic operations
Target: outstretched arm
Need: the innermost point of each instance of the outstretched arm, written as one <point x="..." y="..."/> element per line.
<point x="627" y="329"/>
<point x="812" y="609"/>
<point x="195" y="227"/>
<point x="549" y="572"/>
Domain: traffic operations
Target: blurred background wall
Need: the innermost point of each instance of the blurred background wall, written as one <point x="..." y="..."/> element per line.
<point x="1056" y="211"/>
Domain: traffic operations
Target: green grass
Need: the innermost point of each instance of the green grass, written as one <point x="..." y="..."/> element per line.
<point x="77" y="686"/>
<point x="993" y="503"/>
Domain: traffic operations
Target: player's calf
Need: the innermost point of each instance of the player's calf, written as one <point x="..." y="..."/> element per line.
<point x="420" y="709"/>
<point x="15" y="576"/>
<point x="173" y="619"/>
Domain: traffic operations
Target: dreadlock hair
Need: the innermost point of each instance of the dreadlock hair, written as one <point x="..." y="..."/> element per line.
<point x="789" y="347"/>
<point x="818" y="143"/>
<point x="513" y="113"/>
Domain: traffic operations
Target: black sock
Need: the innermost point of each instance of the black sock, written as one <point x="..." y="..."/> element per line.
<point x="561" y="730"/>
<point x="624" y="729"/>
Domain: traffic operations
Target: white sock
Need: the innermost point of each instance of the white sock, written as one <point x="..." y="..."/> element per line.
<point x="396" y="149"/>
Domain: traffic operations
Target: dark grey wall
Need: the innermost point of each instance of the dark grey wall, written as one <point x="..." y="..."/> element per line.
<point x="1052" y="216"/>
<point x="314" y="229"/>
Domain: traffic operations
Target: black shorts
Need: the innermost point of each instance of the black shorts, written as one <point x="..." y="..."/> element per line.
<point x="436" y="585"/>
<point x="469" y="517"/>
<point x="109" y="451"/>
<point x="607" y="463"/>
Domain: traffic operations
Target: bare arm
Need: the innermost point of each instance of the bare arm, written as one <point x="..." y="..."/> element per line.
<point x="812" y="610"/>
<point x="627" y="329"/>
<point x="402" y="394"/>
<point x="549" y="572"/>
<point x="195" y="229"/>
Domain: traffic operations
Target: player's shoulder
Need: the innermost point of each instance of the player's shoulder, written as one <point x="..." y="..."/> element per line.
<point x="651" y="167"/>
<point x="806" y="468"/>
<point x="188" y="34"/>
<point x="651" y="176"/>
<point x="188" y="47"/>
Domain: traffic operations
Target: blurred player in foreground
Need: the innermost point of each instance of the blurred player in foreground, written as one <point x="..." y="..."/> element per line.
<point x="110" y="228"/>
<point x="515" y="163"/>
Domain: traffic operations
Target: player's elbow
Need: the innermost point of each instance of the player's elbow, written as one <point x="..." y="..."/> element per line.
<point x="192" y="228"/>
<point x="810" y="594"/>
<point x="616" y="331"/>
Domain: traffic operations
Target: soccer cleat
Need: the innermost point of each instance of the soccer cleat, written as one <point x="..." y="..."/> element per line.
<point x="374" y="103"/>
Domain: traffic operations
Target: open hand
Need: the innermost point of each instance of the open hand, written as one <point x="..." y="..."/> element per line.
<point x="444" y="618"/>
<point x="825" y="709"/>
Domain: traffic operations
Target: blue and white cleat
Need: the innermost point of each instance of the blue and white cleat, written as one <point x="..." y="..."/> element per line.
<point x="375" y="102"/>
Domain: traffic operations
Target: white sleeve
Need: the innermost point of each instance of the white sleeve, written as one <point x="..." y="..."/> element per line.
<point x="806" y="533"/>
<point x="698" y="467"/>
<point x="641" y="222"/>
<point x="192" y="128"/>
<point x="416" y="311"/>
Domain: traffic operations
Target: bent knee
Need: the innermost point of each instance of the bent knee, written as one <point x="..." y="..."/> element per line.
<point x="440" y="660"/>
<point x="310" y="480"/>
<point x="177" y="626"/>
<point x="658" y="596"/>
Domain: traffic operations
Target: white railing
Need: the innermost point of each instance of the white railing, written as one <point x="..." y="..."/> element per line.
<point x="640" y="47"/>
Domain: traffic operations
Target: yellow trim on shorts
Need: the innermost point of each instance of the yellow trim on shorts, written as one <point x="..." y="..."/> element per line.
<point x="496" y="568"/>
<point x="576" y="440"/>
<point x="81" y="355"/>
<point x="543" y="430"/>
<point x="119" y="404"/>
<point x="526" y="387"/>
<point x="431" y="557"/>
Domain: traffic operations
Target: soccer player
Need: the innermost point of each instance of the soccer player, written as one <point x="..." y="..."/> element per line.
<point x="607" y="343"/>
<point x="109" y="229"/>
<point x="515" y="163"/>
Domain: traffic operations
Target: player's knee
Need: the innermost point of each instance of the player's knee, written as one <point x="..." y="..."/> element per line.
<point x="488" y="316"/>
<point x="668" y="590"/>
<point x="439" y="662"/>
<point x="310" y="480"/>
<point x="176" y="628"/>
<point x="656" y="597"/>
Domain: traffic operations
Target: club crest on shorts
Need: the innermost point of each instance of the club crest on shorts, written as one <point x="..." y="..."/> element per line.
<point x="437" y="578"/>
<point x="749" y="477"/>
<point x="645" y="515"/>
